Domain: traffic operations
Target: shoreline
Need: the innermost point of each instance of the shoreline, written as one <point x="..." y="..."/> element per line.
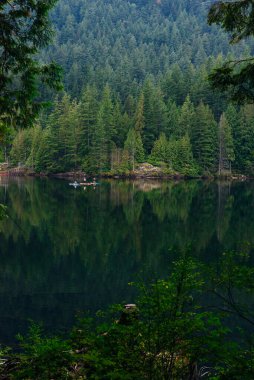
<point x="132" y="175"/>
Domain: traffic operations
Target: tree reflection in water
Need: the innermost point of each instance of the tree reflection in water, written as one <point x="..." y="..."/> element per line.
<point x="64" y="249"/>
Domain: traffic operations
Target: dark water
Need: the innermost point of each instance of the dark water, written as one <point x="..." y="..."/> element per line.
<point x="64" y="250"/>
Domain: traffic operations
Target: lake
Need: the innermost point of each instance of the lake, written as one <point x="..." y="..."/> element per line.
<point x="65" y="250"/>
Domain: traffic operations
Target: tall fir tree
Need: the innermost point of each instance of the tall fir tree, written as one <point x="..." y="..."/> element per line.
<point x="159" y="152"/>
<point x="99" y="153"/>
<point x="88" y="108"/>
<point x="139" y="118"/>
<point x="226" y="146"/>
<point x="186" y="118"/>
<point x="134" y="146"/>
<point x="204" y="139"/>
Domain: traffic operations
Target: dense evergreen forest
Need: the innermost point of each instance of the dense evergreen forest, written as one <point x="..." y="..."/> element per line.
<point x="135" y="77"/>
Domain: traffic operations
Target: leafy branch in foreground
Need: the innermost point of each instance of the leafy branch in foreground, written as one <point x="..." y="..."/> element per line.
<point x="25" y="29"/>
<point x="233" y="285"/>
<point x="3" y="213"/>
<point x="237" y="18"/>
<point x="167" y="334"/>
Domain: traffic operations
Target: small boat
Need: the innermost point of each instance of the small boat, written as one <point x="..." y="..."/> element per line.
<point x="89" y="183"/>
<point x="74" y="184"/>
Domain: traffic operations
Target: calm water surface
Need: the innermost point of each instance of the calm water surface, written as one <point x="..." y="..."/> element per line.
<point x="65" y="250"/>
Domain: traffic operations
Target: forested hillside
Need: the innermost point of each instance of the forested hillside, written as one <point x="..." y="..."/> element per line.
<point x="136" y="89"/>
<point x="120" y="42"/>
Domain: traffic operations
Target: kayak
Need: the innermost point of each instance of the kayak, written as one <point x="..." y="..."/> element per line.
<point x="74" y="184"/>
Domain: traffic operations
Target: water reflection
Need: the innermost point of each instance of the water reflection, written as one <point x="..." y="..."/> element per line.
<point x="64" y="249"/>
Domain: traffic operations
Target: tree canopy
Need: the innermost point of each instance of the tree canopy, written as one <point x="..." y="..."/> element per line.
<point x="25" y="29"/>
<point x="237" y="76"/>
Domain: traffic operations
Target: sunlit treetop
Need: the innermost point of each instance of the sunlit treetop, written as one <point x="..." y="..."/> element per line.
<point x="25" y="29"/>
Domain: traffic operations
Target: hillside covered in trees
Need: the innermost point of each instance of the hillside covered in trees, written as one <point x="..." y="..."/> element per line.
<point x="135" y="77"/>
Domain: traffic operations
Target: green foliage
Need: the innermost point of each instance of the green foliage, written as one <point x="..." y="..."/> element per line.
<point x="42" y="357"/>
<point x="160" y="150"/>
<point x="228" y="138"/>
<point x="167" y="334"/>
<point x="204" y="139"/>
<point x="134" y="146"/>
<point x="235" y="17"/>
<point x="139" y="115"/>
<point x="92" y="135"/>
<point x="156" y="38"/>
<point x="20" y="72"/>
<point x="145" y="84"/>
<point x="233" y="284"/>
<point x="3" y="210"/>
<point x="185" y="161"/>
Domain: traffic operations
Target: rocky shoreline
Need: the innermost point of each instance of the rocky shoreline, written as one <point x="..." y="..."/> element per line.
<point x="143" y="171"/>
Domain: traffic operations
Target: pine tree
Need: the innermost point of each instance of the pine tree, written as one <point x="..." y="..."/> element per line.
<point x="55" y="148"/>
<point x="172" y="154"/>
<point x="88" y="108"/>
<point x="159" y="152"/>
<point x="139" y="115"/>
<point x="21" y="147"/>
<point x="186" y="118"/>
<point x="43" y="157"/>
<point x="74" y="134"/>
<point x="134" y="146"/>
<point x="36" y="135"/>
<point x="149" y="133"/>
<point x="185" y="161"/>
<point x="226" y="145"/>
<point x="122" y="123"/>
<point x="129" y="105"/>
<point x="25" y="29"/>
<point x="60" y="135"/>
<point x="204" y="138"/>
<point x="99" y="153"/>
<point x="235" y="122"/>
<point x="173" y="115"/>
<point x="245" y="140"/>
<point x="106" y="110"/>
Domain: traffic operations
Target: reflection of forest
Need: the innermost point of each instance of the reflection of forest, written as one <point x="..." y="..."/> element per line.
<point x="64" y="249"/>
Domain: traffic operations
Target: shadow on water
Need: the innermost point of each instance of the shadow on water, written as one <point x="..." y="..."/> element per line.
<point x="63" y="249"/>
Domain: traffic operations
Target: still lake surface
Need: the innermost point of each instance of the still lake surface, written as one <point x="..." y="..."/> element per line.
<point x="65" y="250"/>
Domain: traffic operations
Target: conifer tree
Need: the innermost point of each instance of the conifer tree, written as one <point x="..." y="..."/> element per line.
<point x="129" y="105"/>
<point x="185" y="161"/>
<point x="43" y="158"/>
<point x="159" y="114"/>
<point x="226" y="145"/>
<point x="186" y="118"/>
<point x="204" y="138"/>
<point x="88" y="108"/>
<point x="122" y="124"/>
<point x="36" y="135"/>
<point x="149" y="133"/>
<point x="245" y="140"/>
<point x="134" y="146"/>
<point x="106" y="110"/>
<point x="160" y="150"/>
<point x="99" y="154"/>
<point x="139" y="115"/>
<point x="74" y="134"/>
<point x="172" y="153"/>
<point x="25" y="29"/>
<point x="173" y="115"/>
<point x="54" y="144"/>
<point x="21" y="147"/>
<point x="234" y="119"/>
